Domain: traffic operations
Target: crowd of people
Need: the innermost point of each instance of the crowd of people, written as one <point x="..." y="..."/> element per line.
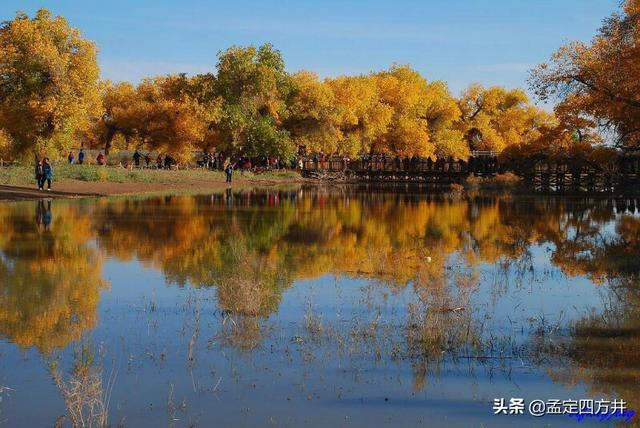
<point x="221" y="161"/>
<point x="44" y="167"/>
<point x="138" y="160"/>
<point x="218" y="161"/>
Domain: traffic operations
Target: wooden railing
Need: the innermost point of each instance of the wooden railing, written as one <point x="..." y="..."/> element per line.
<point x="482" y="165"/>
<point x="543" y="175"/>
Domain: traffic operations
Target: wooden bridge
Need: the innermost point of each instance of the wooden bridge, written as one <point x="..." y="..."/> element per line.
<point x="385" y="169"/>
<point x="541" y="174"/>
<point x="570" y="175"/>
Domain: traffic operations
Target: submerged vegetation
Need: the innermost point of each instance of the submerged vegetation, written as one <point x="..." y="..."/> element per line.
<point x="408" y="271"/>
<point x="251" y="255"/>
<point x="504" y="181"/>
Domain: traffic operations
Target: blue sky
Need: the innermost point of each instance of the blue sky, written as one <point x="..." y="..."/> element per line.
<point x="460" y="41"/>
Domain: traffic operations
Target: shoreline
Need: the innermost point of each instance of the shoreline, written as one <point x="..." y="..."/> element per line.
<point x="76" y="189"/>
<point x="94" y="182"/>
<point x="79" y="189"/>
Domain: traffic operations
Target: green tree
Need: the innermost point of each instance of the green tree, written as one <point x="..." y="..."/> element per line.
<point x="254" y="87"/>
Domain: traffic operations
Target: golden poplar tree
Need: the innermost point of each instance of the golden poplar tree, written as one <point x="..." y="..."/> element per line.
<point x="48" y="84"/>
<point x="599" y="80"/>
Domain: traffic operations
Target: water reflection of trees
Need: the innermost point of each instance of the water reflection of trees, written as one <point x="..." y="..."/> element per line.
<point x="600" y="350"/>
<point x="398" y="239"/>
<point x="251" y="246"/>
<point x="252" y="250"/>
<point x="50" y="276"/>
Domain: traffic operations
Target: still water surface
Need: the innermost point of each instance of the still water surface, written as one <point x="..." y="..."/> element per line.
<point x="315" y="307"/>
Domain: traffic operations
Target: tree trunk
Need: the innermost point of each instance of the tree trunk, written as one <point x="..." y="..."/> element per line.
<point x="108" y="140"/>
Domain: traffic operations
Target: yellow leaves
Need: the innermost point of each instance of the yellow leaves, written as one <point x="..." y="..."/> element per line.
<point x="398" y="112"/>
<point x="252" y="105"/>
<point x="405" y="91"/>
<point x="403" y="88"/>
<point x="49" y="82"/>
<point x="160" y="113"/>
<point x="496" y="118"/>
<point x="361" y="117"/>
<point x="393" y="112"/>
<point x="632" y="7"/>
<point x="598" y="81"/>
<point x="312" y="116"/>
<point x="50" y="288"/>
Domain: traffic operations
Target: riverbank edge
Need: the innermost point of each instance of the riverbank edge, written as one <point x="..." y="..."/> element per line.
<point x="75" y="189"/>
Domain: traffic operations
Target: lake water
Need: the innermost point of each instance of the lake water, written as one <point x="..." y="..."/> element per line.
<point x="315" y="307"/>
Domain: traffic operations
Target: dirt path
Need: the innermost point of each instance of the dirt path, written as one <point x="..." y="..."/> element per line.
<point x="12" y="193"/>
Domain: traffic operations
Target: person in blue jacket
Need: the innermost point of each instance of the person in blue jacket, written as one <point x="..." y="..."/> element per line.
<point x="229" y="172"/>
<point x="48" y="173"/>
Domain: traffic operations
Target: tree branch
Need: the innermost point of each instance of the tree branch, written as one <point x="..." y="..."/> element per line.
<point x="629" y="101"/>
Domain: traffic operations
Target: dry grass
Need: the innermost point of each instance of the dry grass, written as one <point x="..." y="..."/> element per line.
<point x="498" y="182"/>
<point x="86" y="396"/>
<point x="241" y="332"/>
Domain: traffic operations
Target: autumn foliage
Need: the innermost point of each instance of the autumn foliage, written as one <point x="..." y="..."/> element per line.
<point x="51" y="99"/>
<point x="51" y="276"/>
<point x="598" y="83"/>
<point x="48" y="85"/>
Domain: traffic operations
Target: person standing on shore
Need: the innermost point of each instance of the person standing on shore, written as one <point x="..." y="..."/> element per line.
<point x="48" y="174"/>
<point x="71" y="158"/>
<point x="39" y="173"/>
<point x="229" y="171"/>
<point x="136" y="158"/>
<point x="81" y="157"/>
